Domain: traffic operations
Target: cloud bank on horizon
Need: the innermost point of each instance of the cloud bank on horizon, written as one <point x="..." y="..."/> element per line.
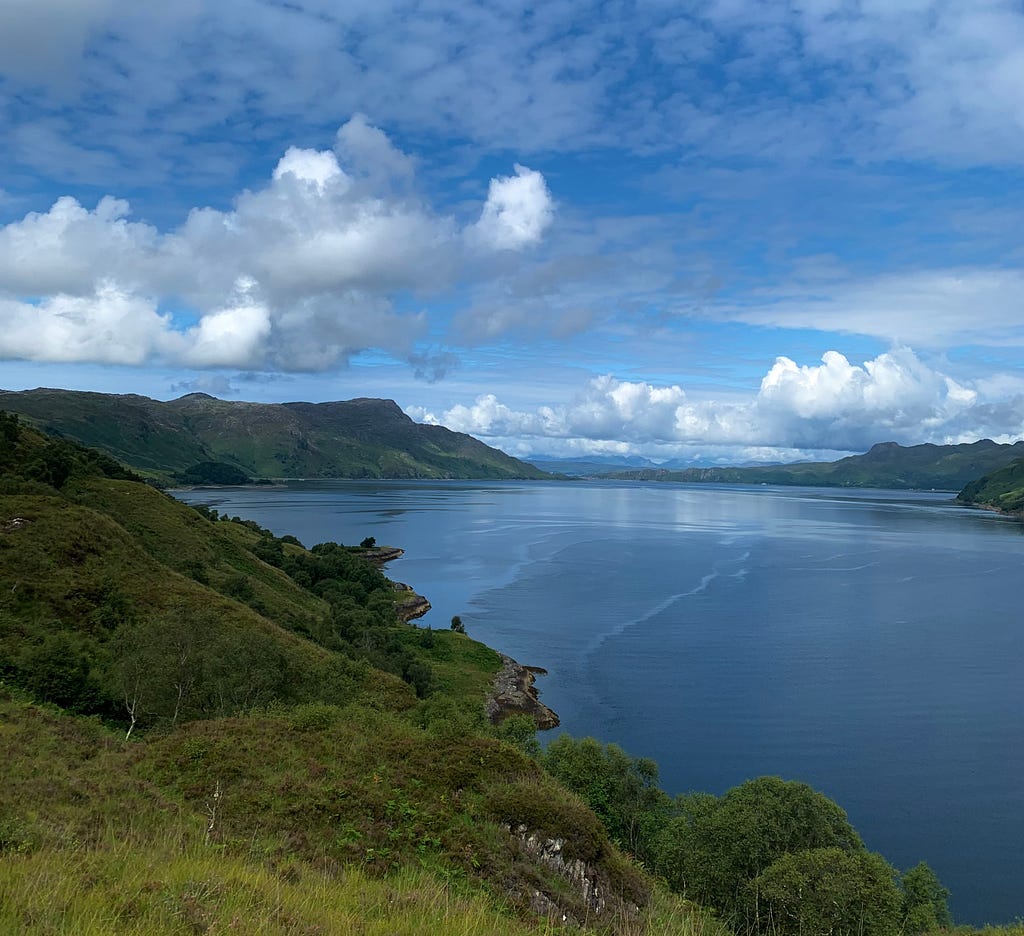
<point x="718" y="230"/>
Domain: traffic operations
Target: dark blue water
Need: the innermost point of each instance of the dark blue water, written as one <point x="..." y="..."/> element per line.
<point x="869" y="643"/>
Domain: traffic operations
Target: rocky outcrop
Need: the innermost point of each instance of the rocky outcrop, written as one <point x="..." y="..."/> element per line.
<point x="380" y="555"/>
<point x="409" y="605"/>
<point x="514" y="694"/>
<point x="591" y="896"/>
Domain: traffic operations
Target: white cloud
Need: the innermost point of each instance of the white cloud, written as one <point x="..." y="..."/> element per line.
<point x="835" y="406"/>
<point x="366" y="149"/>
<point x="229" y="337"/>
<point x="517" y="212"/>
<point x="925" y="308"/>
<point x="109" y="326"/>
<point x="68" y="249"/>
<point x="933" y="81"/>
<point x="311" y="166"/>
<point x="300" y="274"/>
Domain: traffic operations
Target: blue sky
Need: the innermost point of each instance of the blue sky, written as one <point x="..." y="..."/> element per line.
<point x="724" y="230"/>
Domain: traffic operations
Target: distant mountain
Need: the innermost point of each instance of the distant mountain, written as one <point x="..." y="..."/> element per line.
<point x="362" y="438"/>
<point x="590" y="465"/>
<point x="886" y="465"/>
<point x="593" y="465"/>
<point x="1002" y="490"/>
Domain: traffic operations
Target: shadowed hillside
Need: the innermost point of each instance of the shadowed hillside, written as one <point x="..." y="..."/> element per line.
<point x="1002" y="490"/>
<point x="360" y="438"/>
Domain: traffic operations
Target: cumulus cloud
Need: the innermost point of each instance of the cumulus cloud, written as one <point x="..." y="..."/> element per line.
<point x="310" y="166"/>
<point x="107" y="326"/>
<point x="517" y="212"/>
<point x="367" y="150"/>
<point x="835" y="406"/>
<point x="300" y="274"/>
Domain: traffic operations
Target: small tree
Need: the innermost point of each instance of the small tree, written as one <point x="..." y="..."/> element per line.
<point x="457" y="625"/>
<point x="925" y="906"/>
<point x="369" y="542"/>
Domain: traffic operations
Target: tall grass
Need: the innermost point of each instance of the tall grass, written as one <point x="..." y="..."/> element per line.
<point x="161" y="889"/>
<point x="172" y="888"/>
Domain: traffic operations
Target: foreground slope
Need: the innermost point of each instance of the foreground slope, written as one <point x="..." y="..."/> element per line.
<point x="207" y="727"/>
<point x="886" y="465"/>
<point x="362" y="438"/>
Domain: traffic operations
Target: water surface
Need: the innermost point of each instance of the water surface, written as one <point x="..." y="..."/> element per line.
<point x="866" y="642"/>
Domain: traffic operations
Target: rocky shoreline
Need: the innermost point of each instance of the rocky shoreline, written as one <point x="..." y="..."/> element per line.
<point x="513" y="691"/>
<point x="514" y="694"/>
<point x="410" y="606"/>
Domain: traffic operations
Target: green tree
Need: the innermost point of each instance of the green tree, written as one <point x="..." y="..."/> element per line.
<point x="925" y="906"/>
<point x="716" y="846"/>
<point x="824" y="890"/>
<point x="457" y="625"/>
<point x="622" y="790"/>
<point x="59" y="670"/>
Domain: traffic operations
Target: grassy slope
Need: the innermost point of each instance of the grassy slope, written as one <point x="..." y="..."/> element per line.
<point x="353" y="439"/>
<point x="1003" y="489"/>
<point x="887" y="465"/>
<point x="352" y="805"/>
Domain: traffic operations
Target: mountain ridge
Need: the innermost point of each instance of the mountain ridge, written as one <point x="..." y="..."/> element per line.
<point x="885" y="465"/>
<point x="359" y="438"/>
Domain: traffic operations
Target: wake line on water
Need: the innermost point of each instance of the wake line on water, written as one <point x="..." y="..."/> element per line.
<point x="618" y="629"/>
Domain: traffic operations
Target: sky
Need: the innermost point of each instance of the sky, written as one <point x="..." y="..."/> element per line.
<point x="715" y="231"/>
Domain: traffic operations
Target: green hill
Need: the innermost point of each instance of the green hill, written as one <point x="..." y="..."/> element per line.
<point x="886" y="465"/>
<point x="209" y="728"/>
<point x="1002" y="490"/>
<point x="360" y="438"/>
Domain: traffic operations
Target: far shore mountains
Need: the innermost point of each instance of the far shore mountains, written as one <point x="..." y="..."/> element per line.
<point x="200" y="439"/>
<point x="886" y="465"/>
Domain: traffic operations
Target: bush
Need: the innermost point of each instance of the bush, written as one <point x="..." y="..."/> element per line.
<point x="826" y="890"/>
<point x="717" y="846"/>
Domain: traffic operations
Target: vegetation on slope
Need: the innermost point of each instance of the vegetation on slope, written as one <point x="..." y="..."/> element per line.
<point x="201" y="436"/>
<point x="221" y="691"/>
<point x="208" y="727"/>
<point x="886" y="465"/>
<point x="1001" y="490"/>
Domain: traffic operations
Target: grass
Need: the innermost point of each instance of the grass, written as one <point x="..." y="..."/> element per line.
<point x="176" y="887"/>
<point x="313" y="820"/>
<point x="197" y="889"/>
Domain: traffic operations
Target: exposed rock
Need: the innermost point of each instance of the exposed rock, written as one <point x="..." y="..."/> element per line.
<point x="410" y="606"/>
<point x="514" y="694"/>
<point x="589" y="890"/>
<point x="15" y="523"/>
<point x="381" y="555"/>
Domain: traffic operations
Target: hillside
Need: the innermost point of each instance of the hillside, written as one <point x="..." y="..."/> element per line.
<point x="1002" y="490"/>
<point x="886" y="465"/>
<point x="220" y="729"/>
<point x="211" y="728"/>
<point x="360" y="438"/>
